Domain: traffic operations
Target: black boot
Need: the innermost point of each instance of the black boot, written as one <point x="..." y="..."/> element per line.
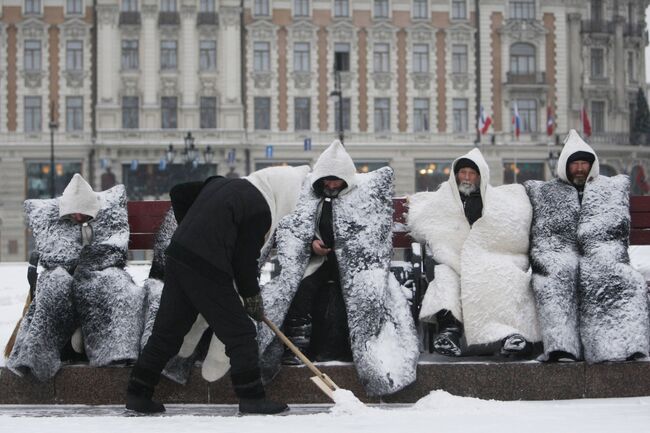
<point x="298" y="330"/>
<point x="252" y="398"/>
<point x="447" y="342"/>
<point x="516" y="344"/>
<point x="140" y="391"/>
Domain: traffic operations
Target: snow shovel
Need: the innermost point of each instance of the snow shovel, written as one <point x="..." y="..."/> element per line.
<point x="322" y="381"/>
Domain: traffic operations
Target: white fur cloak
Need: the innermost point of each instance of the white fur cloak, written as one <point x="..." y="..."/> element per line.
<point x="482" y="273"/>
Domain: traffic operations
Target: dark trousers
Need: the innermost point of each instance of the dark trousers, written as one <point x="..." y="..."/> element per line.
<point x="186" y="294"/>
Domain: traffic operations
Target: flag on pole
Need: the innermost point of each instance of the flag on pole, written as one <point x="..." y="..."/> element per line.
<point x="550" y="121"/>
<point x="516" y="120"/>
<point x="586" y="124"/>
<point x="484" y="122"/>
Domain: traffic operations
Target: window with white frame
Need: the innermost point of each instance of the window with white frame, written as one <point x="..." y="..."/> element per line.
<point x="129" y="5"/>
<point x="130" y="112"/>
<point x="167" y="5"/>
<point x="522" y="59"/>
<point x="460" y="114"/>
<point x="262" y="112"/>
<point x="522" y="9"/>
<point x="420" y="9"/>
<point x="168" y="55"/>
<point x="32" y="55"/>
<point x="207" y="55"/>
<point x="74" y="7"/>
<point x="301" y="57"/>
<point x="459" y="9"/>
<point x="341" y="8"/>
<point x="301" y="8"/>
<point x="302" y="114"/>
<point x="342" y="56"/>
<point x="381" y="8"/>
<point x="346" y="114"/>
<point x="459" y="59"/>
<point x="631" y="67"/>
<point x="261" y="7"/>
<point x="528" y="113"/>
<point x="207" y="6"/>
<point x="597" y="63"/>
<point x="32" y="7"/>
<point x="74" y="113"/>
<point x="598" y="116"/>
<point x="208" y="112"/>
<point x="33" y="114"/>
<point x="381" y="60"/>
<point x="421" y="115"/>
<point x="74" y="56"/>
<point x="261" y="56"/>
<point x="169" y="112"/>
<point x="382" y="114"/>
<point x="130" y="54"/>
<point x="421" y="58"/>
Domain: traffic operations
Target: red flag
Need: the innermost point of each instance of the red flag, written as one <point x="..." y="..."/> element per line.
<point x="484" y="122"/>
<point x="550" y="121"/>
<point x="586" y="125"/>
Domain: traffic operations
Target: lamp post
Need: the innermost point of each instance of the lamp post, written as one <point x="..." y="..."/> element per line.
<point x="190" y="156"/>
<point x="338" y="66"/>
<point x="53" y="127"/>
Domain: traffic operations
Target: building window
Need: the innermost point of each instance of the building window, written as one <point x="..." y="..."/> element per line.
<point x="458" y="10"/>
<point x="346" y="115"/>
<point x="33" y="114"/>
<point x="460" y="115"/>
<point x="382" y="114"/>
<point x="342" y="56"/>
<point x="130" y="55"/>
<point x="598" y="116"/>
<point x="528" y="113"/>
<point x="381" y="57"/>
<point x="168" y="59"/>
<point x="420" y="115"/>
<point x="522" y="171"/>
<point x="597" y="10"/>
<point x="169" y="107"/>
<point x="262" y="107"/>
<point x="522" y="9"/>
<point x="421" y="58"/>
<point x="261" y="7"/>
<point x="341" y="8"/>
<point x="74" y="118"/>
<point x="207" y="6"/>
<point x="74" y="7"/>
<point x="381" y="8"/>
<point x="631" y="67"/>
<point x="38" y="177"/>
<point x="129" y="5"/>
<point x="420" y="9"/>
<point x="597" y="63"/>
<point x="130" y="112"/>
<point x="32" y="59"/>
<point x="74" y="56"/>
<point x="302" y="114"/>
<point x="430" y="175"/>
<point x="208" y="112"/>
<point x="459" y="59"/>
<point x="32" y="7"/>
<point x="301" y="57"/>
<point x="522" y="59"/>
<point x="208" y="55"/>
<point x="301" y="8"/>
<point x="167" y="5"/>
<point x="261" y="55"/>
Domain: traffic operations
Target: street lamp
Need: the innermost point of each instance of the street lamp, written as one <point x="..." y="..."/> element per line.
<point x="338" y="66"/>
<point x="53" y="127"/>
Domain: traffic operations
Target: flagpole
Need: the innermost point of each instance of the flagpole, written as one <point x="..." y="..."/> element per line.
<point x="478" y="70"/>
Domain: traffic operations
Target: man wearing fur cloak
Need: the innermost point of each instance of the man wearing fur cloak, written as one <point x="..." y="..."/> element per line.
<point x="478" y="237"/>
<point x="591" y="303"/>
<point x="82" y="238"/>
<point x="349" y="227"/>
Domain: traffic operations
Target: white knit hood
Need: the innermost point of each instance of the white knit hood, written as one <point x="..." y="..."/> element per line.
<point x="574" y="143"/>
<point x="476" y="157"/>
<point x="78" y="197"/>
<point x="335" y="161"/>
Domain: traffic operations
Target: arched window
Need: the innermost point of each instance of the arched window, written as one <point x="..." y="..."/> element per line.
<point x="522" y="59"/>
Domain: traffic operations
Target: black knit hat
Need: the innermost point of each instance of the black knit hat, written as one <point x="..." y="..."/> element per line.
<point x="581" y="156"/>
<point x="465" y="163"/>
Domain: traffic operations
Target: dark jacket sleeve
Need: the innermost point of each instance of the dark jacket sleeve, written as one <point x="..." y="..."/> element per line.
<point x="250" y="239"/>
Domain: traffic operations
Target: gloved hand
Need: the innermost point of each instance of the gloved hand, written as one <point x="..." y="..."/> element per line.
<point x="254" y="307"/>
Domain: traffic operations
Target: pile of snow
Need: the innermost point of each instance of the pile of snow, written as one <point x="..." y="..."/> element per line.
<point x="347" y="403"/>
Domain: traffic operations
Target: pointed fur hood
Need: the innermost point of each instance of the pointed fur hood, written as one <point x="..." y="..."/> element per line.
<point x="78" y="197"/>
<point x="475" y="156"/>
<point x="574" y="143"/>
<point x="335" y="161"/>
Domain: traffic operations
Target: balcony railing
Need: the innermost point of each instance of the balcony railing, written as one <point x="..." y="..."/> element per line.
<point x="129" y="19"/>
<point x="597" y="26"/>
<point x="536" y="78"/>
<point x="169" y="19"/>
<point x="207" y="19"/>
<point x="634" y="29"/>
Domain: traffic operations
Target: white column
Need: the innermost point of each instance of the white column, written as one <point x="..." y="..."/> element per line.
<point x="188" y="55"/>
<point x="230" y="66"/>
<point x="150" y="53"/>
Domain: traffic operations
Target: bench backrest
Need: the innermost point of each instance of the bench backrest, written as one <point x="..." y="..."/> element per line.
<point x="145" y="218"/>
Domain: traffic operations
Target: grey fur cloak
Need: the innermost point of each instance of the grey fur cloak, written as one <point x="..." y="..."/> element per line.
<point x="382" y="333"/>
<point x="79" y="286"/>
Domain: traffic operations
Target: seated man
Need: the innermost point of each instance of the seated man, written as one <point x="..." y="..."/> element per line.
<point x="82" y="238"/>
<point x="478" y="236"/>
<point x="591" y="303"/>
<point x="334" y="251"/>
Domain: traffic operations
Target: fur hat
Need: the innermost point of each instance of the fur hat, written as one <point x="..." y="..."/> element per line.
<point x="78" y="197"/>
<point x="466" y="163"/>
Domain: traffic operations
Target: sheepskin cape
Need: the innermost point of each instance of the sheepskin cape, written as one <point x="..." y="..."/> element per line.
<point x="382" y="333"/>
<point x="591" y="302"/>
<point x="482" y="273"/>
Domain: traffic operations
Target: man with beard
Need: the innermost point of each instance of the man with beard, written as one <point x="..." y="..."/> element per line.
<point x="478" y="237"/>
<point x="592" y="305"/>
